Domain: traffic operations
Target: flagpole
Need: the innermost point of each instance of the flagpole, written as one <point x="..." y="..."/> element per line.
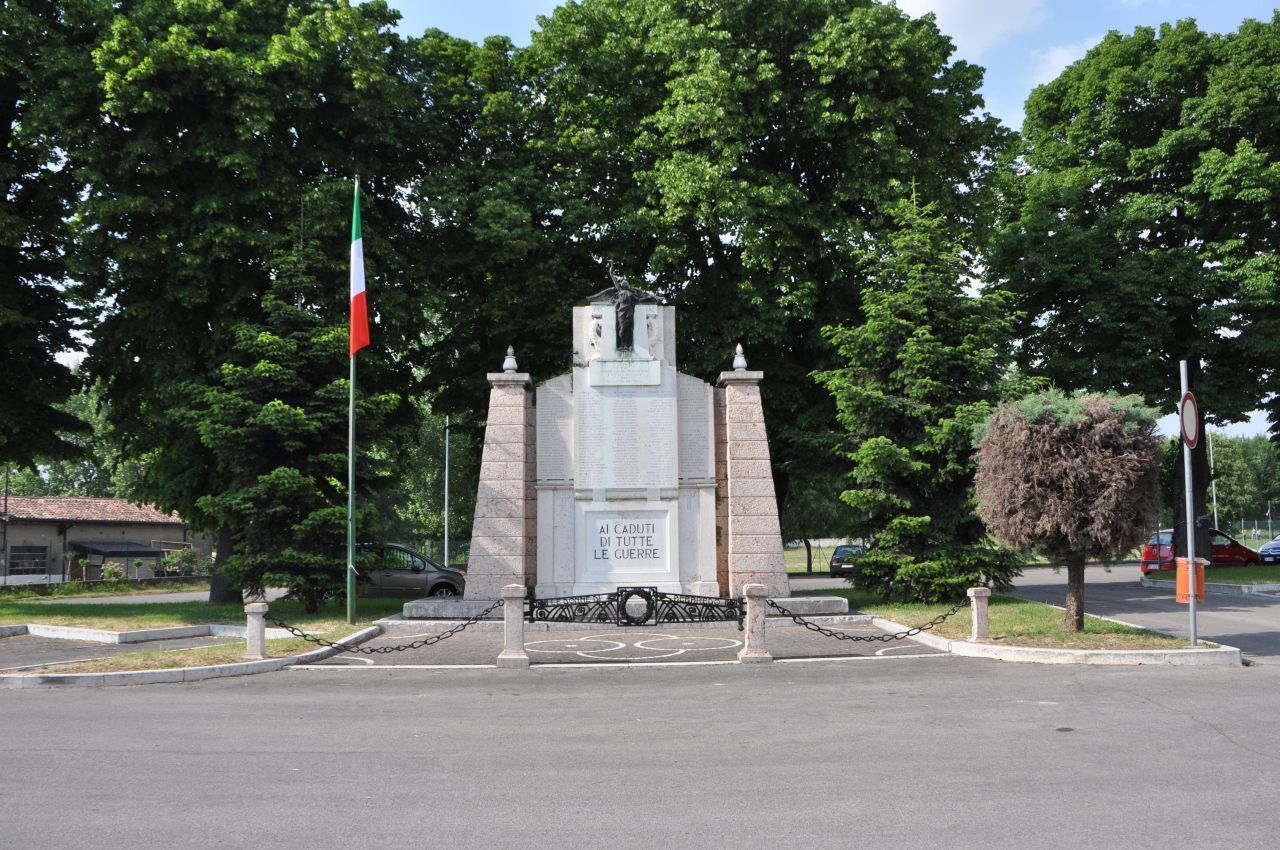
<point x="357" y="253"/>
<point x="351" y="499"/>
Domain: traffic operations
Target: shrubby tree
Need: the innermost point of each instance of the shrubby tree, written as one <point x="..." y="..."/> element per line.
<point x="918" y="374"/>
<point x="1075" y="475"/>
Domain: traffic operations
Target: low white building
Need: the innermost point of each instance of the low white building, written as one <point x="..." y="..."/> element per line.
<point x="47" y="539"/>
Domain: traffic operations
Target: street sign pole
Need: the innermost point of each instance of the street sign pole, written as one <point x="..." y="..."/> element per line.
<point x="1190" y="436"/>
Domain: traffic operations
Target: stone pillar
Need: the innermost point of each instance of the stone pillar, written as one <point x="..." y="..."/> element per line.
<point x="513" y="655"/>
<point x="255" y="632"/>
<point x="753" y="649"/>
<point x="754" y="544"/>
<point x="981" y="630"/>
<point x="722" y="491"/>
<point x="504" y="533"/>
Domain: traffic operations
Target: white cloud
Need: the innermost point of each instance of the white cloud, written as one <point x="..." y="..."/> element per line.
<point x="1050" y="63"/>
<point x="978" y="25"/>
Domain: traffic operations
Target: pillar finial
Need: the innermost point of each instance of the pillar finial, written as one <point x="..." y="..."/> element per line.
<point x="739" y="361"/>
<point x="509" y="362"/>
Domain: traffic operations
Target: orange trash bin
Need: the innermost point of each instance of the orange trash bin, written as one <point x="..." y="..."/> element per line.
<point x="1182" y="583"/>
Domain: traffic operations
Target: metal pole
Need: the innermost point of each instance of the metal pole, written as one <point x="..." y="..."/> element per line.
<point x="351" y="499"/>
<point x="1190" y="508"/>
<point x="1213" y="479"/>
<point x="446" y="491"/>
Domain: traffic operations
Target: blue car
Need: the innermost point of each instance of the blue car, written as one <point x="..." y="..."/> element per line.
<point x="1270" y="552"/>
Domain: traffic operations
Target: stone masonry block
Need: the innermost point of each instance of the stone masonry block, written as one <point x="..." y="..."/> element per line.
<point x="718" y="407"/>
<point x="494" y="565"/>
<point x="498" y="527"/>
<point x="501" y="471"/>
<point x="744" y="413"/>
<point x="737" y="393"/>
<point x="756" y="563"/>
<point x="507" y="416"/>
<point x="503" y="453"/>
<point x="486" y="546"/>
<point x="750" y="431"/>
<point x="505" y="489"/>
<point x="753" y="487"/>
<point x="513" y="434"/>
<point x="508" y="395"/>
<point x="740" y="469"/>
<point x="494" y="507"/>
<point x="752" y="507"/>
<point x="751" y="544"/>
<point x="748" y="449"/>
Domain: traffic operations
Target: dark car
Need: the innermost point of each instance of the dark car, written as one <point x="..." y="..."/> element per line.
<point x="392" y="569"/>
<point x="1224" y="551"/>
<point x="1270" y="552"/>
<point x="844" y="560"/>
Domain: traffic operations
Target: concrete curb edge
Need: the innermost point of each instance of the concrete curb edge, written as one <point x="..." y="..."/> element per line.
<point x="181" y="674"/>
<point x="1222" y="656"/>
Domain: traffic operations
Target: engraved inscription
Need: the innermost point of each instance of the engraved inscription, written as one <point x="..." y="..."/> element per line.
<point x="626" y="541"/>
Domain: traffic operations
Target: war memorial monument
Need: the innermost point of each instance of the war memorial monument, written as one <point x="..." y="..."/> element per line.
<point x="625" y="471"/>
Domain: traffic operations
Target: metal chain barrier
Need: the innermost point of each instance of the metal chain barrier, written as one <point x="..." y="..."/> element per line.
<point x="814" y="627"/>
<point x="384" y="650"/>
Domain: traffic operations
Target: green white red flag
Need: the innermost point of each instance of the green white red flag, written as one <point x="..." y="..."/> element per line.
<point x="359" y="309"/>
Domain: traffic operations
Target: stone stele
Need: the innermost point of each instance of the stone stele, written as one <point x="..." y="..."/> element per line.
<point x="625" y="472"/>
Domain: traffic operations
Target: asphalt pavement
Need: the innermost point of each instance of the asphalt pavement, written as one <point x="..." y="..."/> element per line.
<point x="935" y="751"/>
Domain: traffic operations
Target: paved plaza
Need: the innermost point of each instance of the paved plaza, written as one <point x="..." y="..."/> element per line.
<point x="892" y="753"/>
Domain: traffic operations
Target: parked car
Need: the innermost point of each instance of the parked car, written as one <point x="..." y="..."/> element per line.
<point x="393" y="569"/>
<point x="1224" y="551"/>
<point x="1270" y="552"/>
<point x="844" y="560"/>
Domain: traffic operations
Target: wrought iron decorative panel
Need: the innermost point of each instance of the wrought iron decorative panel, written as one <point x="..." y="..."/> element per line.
<point x="636" y="606"/>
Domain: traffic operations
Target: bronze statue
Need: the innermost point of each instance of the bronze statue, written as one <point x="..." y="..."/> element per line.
<point x="624" y="298"/>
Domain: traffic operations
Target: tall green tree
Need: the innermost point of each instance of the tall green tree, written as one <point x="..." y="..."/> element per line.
<point x="919" y="374"/>
<point x="738" y="157"/>
<point x="1140" y="229"/>
<point x="275" y="423"/>
<point x="43" y="50"/>
<point x="221" y="130"/>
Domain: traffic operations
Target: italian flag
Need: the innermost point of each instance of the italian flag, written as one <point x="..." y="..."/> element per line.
<point x="359" y="310"/>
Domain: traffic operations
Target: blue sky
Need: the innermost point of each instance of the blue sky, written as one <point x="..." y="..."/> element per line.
<point x="1020" y="43"/>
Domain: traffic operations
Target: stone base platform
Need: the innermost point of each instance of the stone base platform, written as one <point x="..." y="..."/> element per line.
<point x="464" y="609"/>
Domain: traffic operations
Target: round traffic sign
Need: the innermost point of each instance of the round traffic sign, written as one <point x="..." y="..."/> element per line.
<point x="1189" y="414"/>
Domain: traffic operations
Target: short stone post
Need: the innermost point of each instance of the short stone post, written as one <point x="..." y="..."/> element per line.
<point x="255" y="632"/>
<point x="513" y="655"/>
<point x="753" y="650"/>
<point x="981" y="631"/>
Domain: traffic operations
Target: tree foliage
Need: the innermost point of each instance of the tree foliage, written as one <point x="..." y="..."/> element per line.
<point x="275" y="424"/>
<point x="1140" y="230"/>
<point x="1075" y="475"/>
<point x="741" y="158"/>
<point x="918" y="375"/>
<point x="41" y="50"/>
<point x="220" y="132"/>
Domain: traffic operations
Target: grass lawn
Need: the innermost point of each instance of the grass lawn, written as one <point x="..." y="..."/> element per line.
<point x="1014" y="622"/>
<point x="153" y="615"/>
<point x="1264" y="574"/>
<point x="76" y="589"/>
<point x="231" y="652"/>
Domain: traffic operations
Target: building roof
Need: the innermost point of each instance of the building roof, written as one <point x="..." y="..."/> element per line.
<point x="76" y="509"/>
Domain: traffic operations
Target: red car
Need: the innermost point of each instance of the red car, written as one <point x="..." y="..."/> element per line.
<point x="1224" y="551"/>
